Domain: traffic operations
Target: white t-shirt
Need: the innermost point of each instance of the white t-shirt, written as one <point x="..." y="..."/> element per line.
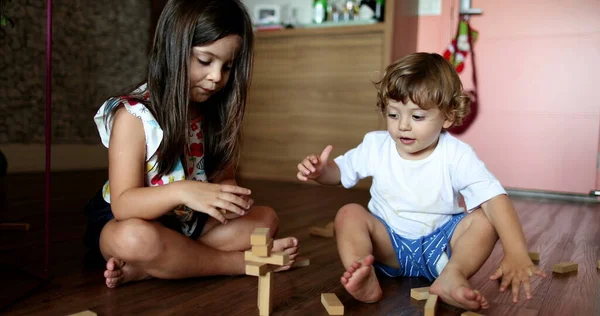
<point x="415" y="197"/>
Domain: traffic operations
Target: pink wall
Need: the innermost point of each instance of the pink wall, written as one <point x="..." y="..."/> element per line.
<point x="539" y="117"/>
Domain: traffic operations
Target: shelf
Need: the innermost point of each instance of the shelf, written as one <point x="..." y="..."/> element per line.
<point x="330" y="30"/>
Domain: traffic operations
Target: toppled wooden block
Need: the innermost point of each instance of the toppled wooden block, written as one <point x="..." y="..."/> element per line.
<point x="419" y="293"/>
<point x="534" y="256"/>
<point x="260" y="237"/>
<point x="265" y="287"/>
<point x="263" y="250"/>
<point x="322" y="232"/>
<point x="258" y="269"/>
<point x="565" y="267"/>
<point x="84" y="313"/>
<point x="330" y="225"/>
<point x="431" y="305"/>
<point x="277" y="258"/>
<point x="470" y="314"/>
<point x="332" y="304"/>
<point x="14" y="226"/>
<point x="301" y="262"/>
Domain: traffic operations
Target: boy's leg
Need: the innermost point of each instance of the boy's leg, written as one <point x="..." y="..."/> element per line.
<point x="361" y="238"/>
<point x="474" y="232"/>
<point x="136" y="249"/>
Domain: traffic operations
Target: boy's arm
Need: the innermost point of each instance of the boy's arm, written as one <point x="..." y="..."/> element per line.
<point x="330" y="174"/>
<point x="516" y="267"/>
<point x="501" y="213"/>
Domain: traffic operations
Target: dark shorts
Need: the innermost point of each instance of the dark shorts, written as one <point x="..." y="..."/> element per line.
<point x="99" y="213"/>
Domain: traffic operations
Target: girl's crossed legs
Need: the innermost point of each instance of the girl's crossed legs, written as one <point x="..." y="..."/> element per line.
<point x="136" y="249"/>
<point x="362" y="238"/>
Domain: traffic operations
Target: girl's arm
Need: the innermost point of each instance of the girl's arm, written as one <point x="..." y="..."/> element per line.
<point x="126" y="160"/>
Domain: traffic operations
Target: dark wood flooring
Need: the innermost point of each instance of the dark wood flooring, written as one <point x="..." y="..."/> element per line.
<point x="560" y="231"/>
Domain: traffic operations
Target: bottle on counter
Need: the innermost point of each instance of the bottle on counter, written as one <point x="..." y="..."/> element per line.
<point x="319" y="11"/>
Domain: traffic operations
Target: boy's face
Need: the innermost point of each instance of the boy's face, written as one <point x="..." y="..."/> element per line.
<point x="210" y="66"/>
<point x="416" y="131"/>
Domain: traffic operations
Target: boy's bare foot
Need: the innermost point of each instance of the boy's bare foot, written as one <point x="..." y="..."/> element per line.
<point x="361" y="282"/>
<point x="288" y="245"/>
<point x="453" y="288"/>
<point x="118" y="272"/>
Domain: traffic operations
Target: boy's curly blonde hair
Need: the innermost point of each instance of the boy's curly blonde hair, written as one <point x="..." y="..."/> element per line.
<point x="428" y="80"/>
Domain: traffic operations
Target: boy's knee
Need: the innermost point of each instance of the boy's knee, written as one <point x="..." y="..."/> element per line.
<point x="137" y="240"/>
<point x="348" y="212"/>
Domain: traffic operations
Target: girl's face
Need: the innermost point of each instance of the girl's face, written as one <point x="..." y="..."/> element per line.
<point x="210" y="66"/>
<point x="415" y="130"/>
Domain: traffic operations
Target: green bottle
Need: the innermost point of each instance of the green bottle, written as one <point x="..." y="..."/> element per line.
<point x="379" y="10"/>
<point x="319" y="11"/>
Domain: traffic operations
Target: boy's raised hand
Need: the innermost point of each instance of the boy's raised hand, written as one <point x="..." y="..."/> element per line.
<point x="514" y="271"/>
<point x="312" y="167"/>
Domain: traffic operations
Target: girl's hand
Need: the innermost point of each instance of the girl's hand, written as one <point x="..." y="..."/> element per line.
<point x="312" y="167"/>
<point x="215" y="199"/>
<point x="517" y="270"/>
<point x="229" y="215"/>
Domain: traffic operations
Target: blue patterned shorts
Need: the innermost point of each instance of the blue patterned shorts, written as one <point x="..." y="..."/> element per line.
<point x="419" y="257"/>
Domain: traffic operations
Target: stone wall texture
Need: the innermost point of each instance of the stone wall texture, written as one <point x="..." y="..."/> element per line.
<point x="99" y="48"/>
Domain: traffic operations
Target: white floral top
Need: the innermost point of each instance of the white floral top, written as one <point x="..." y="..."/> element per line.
<point x="194" y="155"/>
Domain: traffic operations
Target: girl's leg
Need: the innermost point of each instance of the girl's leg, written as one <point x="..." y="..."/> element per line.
<point x="361" y="238"/>
<point x="138" y="249"/>
<point x="474" y="232"/>
<point x="235" y="235"/>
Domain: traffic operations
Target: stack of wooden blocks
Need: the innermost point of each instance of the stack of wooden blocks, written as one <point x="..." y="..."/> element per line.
<point x="260" y="262"/>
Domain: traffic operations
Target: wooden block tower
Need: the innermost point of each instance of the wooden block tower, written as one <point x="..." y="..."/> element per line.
<point x="260" y="262"/>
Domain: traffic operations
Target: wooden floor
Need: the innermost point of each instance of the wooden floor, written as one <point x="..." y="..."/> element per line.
<point x="560" y="231"/>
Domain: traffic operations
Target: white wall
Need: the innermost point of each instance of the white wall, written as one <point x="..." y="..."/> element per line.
<point x="303" y="8"/>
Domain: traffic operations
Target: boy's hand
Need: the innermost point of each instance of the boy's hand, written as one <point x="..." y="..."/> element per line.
<point x="517" y="270"/>
<point x="312" y="166"/>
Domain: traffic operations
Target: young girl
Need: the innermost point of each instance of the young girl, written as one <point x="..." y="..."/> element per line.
<point x="413" y="225"/>
<point x="171" y="208"/>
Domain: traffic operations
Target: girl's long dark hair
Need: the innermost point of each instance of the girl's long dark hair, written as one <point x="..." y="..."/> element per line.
<point x="182" y="25"/>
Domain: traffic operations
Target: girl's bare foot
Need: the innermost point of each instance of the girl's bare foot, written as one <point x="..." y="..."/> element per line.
<point x="361" y="282"/>
<point x="288" y="245"/>
<point x="453" y="288"/>
<point x="118" y="272"/>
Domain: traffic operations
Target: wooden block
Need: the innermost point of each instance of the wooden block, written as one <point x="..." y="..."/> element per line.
<point x="258" y="269"/>
<point x="301" y="262"/>
<point x="431" y="305"/>
<point x="276" y="258"/>
<point x="263" y="250"/>
<point x="15" y="226"/>
<point x="332" y="304"/>
<point x="322" y="232"/>
<point x="419" y="293"/>
<point x="535" y="256"/>
<point x="598" y="265"/>
<point x="84" y="313"/>
<point x="470" y="314"/>
<point x="265" y="287"/>
<point x="330" y="225"/>
<point x="565" y="267"/>
<point x="259" y="237"/>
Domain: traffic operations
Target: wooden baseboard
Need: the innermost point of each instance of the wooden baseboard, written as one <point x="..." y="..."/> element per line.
<point x="31" y="157"/>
